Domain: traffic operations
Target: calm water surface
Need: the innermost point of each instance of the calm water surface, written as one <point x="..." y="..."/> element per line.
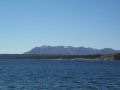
<point x="59" y="75"/>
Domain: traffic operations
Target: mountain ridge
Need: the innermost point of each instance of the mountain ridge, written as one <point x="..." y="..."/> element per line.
<point x="69" y="50"/>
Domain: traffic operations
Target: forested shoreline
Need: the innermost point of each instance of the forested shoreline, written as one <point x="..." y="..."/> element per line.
<point x="84" y="57"/>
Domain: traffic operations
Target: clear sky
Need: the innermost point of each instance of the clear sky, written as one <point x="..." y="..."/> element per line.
<point x="25" y="24"/>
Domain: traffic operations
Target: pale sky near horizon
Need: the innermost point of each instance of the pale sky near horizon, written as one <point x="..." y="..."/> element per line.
<point x="25" y="24"/>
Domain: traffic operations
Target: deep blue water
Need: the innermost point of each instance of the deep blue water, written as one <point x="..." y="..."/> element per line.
<point x="59" y="75"/>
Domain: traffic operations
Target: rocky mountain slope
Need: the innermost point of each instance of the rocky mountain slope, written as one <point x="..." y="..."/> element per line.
<point x="69" y="50"/>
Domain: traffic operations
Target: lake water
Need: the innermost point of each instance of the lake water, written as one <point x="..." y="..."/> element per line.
<point x="59" y="75"/>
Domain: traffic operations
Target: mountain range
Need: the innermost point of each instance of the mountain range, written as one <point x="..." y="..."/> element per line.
<point x="69" y="50"/>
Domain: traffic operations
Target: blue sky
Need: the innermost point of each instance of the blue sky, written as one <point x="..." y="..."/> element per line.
<point x="25" y="24"/>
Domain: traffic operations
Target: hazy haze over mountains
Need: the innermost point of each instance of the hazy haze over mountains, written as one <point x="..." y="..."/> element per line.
<point x="69" y="50"/>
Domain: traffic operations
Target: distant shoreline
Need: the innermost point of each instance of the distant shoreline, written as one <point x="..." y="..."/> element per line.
<point x="109" y="57"/>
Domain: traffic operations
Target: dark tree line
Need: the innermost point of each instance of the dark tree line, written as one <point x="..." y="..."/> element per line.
<point x="35" y="56"/>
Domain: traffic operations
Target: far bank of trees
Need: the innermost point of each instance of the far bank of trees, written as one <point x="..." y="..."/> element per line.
<point x="35" y="56"/>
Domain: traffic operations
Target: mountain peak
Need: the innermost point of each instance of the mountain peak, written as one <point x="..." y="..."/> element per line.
<point x="69" y="50"/>
<point x="45" y="46"/>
